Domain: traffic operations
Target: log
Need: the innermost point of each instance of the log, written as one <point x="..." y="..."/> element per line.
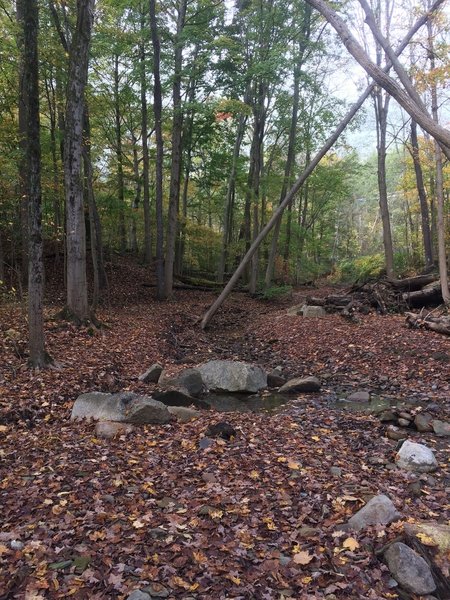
<point x="412" y="284"/>
<point x="427" y="321"/>
<point x="429" y="294"/>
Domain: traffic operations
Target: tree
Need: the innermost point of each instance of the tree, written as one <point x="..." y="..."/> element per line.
<point x="77" y="296"/>
<point x="29" y="13"/>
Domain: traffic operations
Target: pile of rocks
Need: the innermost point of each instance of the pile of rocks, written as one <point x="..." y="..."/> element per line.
<point x="400" y="420"/>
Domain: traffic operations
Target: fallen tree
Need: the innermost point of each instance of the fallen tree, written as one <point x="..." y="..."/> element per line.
<point x="440" y="324"/>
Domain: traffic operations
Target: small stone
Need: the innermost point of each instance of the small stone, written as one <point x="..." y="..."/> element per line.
<point x="405" y="415"/>
<point x="157" y="590"/>
<point x="205" y="442"/>
<point x="222" y="429"/>
<point x="301" y="385"/>
<point x="157" y="532"/>
<point x="152" y="374"/>
<point x="409" y="569"/>
<point x="378" y="511"/>
<point x="441" y="428"/>
<point x="360" y="396"/>
<point x="206" y="509"/>
<point x="394" y="433"/>
<point x="422" y="421"/>
<point x="313" y="311"/>
<point x="138" y="595"/>
<point x="416" y="457"/>
<point x="183" y="414"/>
<point x="16" y="545"/>
<point x="387" y="416"/>
<point x="404" y="422"/>
<point x="109" y="499"/>
<point x="415" y="489"/>
<point x="284" y="560"/>
<point x="274" y="380"/>
<point x="336" y="471"/>
<point x="111" y="429"/>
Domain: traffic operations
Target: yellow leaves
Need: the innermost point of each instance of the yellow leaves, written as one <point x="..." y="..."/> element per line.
<point x="216" y="514"/>
<point x="188" y="445"/>
<point x="254" y="475"/>
<point x="269" y="523"/>
<point x="137" y="524"/>
<point x="316" y="438"/>
<point x="199" y="556"/>
<point x="4" y="549"/>
<point x="281" y="459"/>
<point x="3" y="428"/>
<point x="48" y="502"/>
<point x="350" y="544"/>
<point x="179" y="582"/>
<point x="293" y="465"/>
<point x="426" y="539"/>
<point x="302" y="558"/>
<point x="234" y="579"/>
<point x="306" y="580"/>
<point x="97" y="535"/>
<point x="148" y="487"/>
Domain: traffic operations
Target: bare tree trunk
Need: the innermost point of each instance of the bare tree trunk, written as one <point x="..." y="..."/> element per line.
<point x="424" y="212"/>
<point x="22" y="166"/>
<point x="119" y="159"/>
<point x="30" y="21"/>
<point x="175" y="173"/>
<point x="302" y="178"/>
<point x="157" y="112"/>
<point x="145" y="158"/>
<point x="77" y="298"/>
<point x="442" y="252"/>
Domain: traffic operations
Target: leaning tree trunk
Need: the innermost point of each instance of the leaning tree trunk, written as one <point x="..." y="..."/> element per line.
<point x="77" y="297"/>
<point x="38" y="356"/>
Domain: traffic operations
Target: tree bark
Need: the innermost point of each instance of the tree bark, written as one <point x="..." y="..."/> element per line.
<point x="175" y="173"/>
<point x="424" y="211"/>
<point x="119" y="158"/>
<point x="30" y="19"/>
<point x="145" y="157"/>
<point x="77" y="298"/>
<point x="157" y="112"/>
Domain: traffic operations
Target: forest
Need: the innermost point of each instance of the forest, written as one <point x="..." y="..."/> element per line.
<point x="224" y="299"/>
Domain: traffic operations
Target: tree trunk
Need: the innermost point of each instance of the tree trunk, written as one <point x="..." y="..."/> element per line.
<point x="145" y="158"/>
<point x="30" y="20"/>
<point x="77" y="298"/>
<point x="119" y="159"/>
<point x="157" y="112"/>
<point x="424" y="212"/>
<point x="175" y="173"/>
<point x="22" y="166"/>
<point x="442" y="252"/>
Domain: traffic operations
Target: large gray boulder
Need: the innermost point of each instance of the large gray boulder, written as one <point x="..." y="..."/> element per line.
<point x="125" y="407"/>
<point x="416" y="457"/>
<point x="378" y="511"/>
<point x="314" y="311"/>
<point x="409" y="569"/>
<point x="233" y="376"/>
<point x="301" y="385"/>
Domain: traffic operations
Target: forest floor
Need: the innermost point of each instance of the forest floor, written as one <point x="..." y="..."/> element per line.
<point x="253" y="518"/>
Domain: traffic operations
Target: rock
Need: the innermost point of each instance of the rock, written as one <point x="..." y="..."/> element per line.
<point x="209" y="477"/>
<point x="178" y="397"/>
<point x="441" y="428"/>
<point x="183" y="414"/>
<point x="416" y="457"/>
<point x="293" y="311"/>
<point x="157" y="590"/>
<point x="405" y="415"/>
<point x="388" y="415"/>
<point x="16" y="545"/>
<point x="274" y="380"/>
<point x="409" y="569"/>
<point x="438" y="532"/>
<point x="138" y="595"/>
<point x="233" y="376"/>
<point x="205" y="443"/>
<point x="313" y="311"/>
<point x="301" y="384"/>
<point x="415" y="489"/>
<point x="189" y="380"/>
<point x="152" y="374"/>
<point x="404" y="422"/>
<point x="125" y="407"/>
<point x="422" y="421"/>
<point x="394" y="433"/>
<point x="112" y="429"/>
<point x="378" y="511"/>
<point x="336" y="471"/>
<point x="360" y="396"/>
<point x="222" y="429"/>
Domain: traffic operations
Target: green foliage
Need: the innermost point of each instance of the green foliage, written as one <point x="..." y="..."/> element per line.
<point x="360" y="269"/>
<point x="276" y="292"/>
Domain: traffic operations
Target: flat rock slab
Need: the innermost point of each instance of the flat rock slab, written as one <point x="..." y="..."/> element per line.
<point x="124" y="407"/>
<point x="416" y="457"/>
<point x="301" y="384"/>
<point x="438" y="533"/>
<point x="378" y="511"/>
<point x="409" y="569"/>
<point x="441" y="428"/>
<point x="183" y="414"/>
<point x="233" y="376"/>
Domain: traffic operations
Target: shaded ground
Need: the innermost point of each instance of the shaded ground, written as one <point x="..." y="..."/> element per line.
<point x="254" y="518"/>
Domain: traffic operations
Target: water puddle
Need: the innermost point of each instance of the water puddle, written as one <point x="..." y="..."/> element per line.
<point x="245" y="403"/>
